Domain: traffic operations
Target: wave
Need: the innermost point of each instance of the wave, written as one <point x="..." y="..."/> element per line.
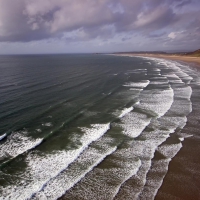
<point x="38" y="170"/>
<point x="153" y="182"/>
<point x="89" y="159"/>
<point x="134" y="123"/>
<point x="20" y="142"/>
<point x="137" y="71"/>
<point x="143" y="148"/>
<point x="3" y="136"/>
<point x="106" y="181"/>
<point x="180" y="108"/>
<point x="141" y="84"/>
<point x="49" y="189"/>
<point x="16" y="144"/>
<point x="175" y="66"/>
<point x="147" y="187"/>
<point x="106" y="167"/>
<point x="125" y="111"/>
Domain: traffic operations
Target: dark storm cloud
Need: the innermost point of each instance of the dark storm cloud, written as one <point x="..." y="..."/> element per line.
<point x="81" y="20"/>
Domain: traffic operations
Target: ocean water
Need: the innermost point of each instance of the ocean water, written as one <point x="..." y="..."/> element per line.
<point x="96" y="127"/>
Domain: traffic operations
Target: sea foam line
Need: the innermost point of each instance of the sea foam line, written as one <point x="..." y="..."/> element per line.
<point x="57" y="186"/>
<point x="169" y="151"/>
<point x="106" y="181"/>
<point x="127" y="191"/>
<point x="17" y="143"/>
<point x="141" y="84"/>
<point x="3" y="136"/>
<point x="157" y="101"/>
<point x="161" y="166"/>
<point x="40" y="172"/>
<point x="125" y="111"/>
<point x="144" y="149"/>
<point x="133" y="124"/>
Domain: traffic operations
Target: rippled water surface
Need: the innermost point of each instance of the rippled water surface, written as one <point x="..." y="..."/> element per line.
<point x="92" y="126"/>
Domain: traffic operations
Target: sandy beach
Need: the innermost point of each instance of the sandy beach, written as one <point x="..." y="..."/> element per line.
<point x="195" y="61"/>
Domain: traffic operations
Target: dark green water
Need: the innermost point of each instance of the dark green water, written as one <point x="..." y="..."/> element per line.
<point x="90" y="126"/>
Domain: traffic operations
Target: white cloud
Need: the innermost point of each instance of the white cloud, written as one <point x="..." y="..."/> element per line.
<point x="172" y="35"/>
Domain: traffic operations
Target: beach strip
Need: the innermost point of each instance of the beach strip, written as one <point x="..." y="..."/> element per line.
<point x="194" y="61"/>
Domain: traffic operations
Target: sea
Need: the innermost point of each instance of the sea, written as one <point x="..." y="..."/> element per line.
<point x="98" y="127"/>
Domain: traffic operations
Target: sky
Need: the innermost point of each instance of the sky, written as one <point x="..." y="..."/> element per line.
<point x="90" y="26"/>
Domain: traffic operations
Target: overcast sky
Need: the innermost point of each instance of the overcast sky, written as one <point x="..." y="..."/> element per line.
<point x="75" y="26"/>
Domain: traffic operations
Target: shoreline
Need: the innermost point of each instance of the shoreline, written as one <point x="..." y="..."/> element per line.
<point x="192" y="61"/>
<point x="182" y="179"/>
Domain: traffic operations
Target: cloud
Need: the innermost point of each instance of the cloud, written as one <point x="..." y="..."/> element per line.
<point x="172" y="35"/>
<point x="49" y="18"/>
<point x="85" y="20"/>
<point x="159" y="16"/>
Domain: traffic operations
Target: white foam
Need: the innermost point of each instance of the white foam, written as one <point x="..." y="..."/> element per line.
<point x="183" y="92"/>
<point x="2" y="136"/>
<point x="157" y="101"/>
<point x="141" y="84"/>
<point x="182" y="104"/>
<point x="125" y="111"/>
<point x="104" y="183"/>
<point x="180" y="70"/>
<point x="18" y="143"/>
<point x="137" y="71"/>
<point x="90" y="158"/>
<point x="181" y="107"/>
<point x="99" y="179"/>
<point x="174" y="121"/>
<point x="134" y="123"/>
<point x="173" y="78"/>
<point x="169" y="150"/>
<point x="158" y="82"/>
<point x="144" y="149"/>
<point x="153" y="183"/>
<point x="184" y="76"/>
<point x="136" y="103"/>
<point x="156" y="69"/>
<point x="153" y="140"/>
<point x="43" y="171"/>
<point x="176" y="118"/>
<point x="136" y="89"/>
<point x="181" y="139"/>
<point x="42" y="168"/>
<point x="160" y="78"/>
<point x="48" y="124"/>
